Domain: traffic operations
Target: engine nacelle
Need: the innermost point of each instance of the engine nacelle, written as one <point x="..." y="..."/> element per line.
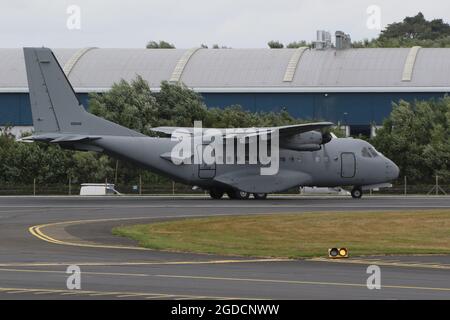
<point x="308" y="141"/>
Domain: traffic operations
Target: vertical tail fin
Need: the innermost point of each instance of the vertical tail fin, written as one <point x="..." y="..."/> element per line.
<point x="54" y="105"/>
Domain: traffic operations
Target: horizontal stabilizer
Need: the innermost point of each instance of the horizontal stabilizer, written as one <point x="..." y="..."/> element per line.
<point x="55" y="138"/>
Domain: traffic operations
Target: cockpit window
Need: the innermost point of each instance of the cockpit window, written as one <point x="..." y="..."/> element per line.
<point x="373" y="152"/>
<point x="365" y="153"/>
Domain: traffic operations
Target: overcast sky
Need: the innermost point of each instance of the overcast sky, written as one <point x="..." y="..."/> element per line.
<point x="189" y="23"/>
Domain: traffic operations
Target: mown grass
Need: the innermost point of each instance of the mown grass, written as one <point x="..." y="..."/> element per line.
<point x="294" y="235"/>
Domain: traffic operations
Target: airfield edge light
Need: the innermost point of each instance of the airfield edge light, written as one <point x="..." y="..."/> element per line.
<point x="337" y="253"/>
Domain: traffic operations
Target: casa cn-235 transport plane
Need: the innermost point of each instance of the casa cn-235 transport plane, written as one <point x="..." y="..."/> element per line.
<point x="305" y="155"/>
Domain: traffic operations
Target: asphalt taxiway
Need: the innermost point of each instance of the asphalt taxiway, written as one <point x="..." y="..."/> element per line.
<point x="41" y="236"/>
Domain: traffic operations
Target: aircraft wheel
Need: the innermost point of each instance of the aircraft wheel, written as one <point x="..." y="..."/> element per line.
<point x="356" y="193"/>
<point x="238" y="195"/>
<point x="243" y="195"/>
<point x="216" y="194"/>
<point x="260" y="196"/>
<point x="231" y="194"/>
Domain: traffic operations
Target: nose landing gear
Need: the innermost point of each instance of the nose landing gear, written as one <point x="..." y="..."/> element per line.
<point x="260" y="196"/>
<point x="356" y="192"/>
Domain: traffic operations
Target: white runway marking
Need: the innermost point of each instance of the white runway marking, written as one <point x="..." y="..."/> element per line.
<point x="321" y="206"/>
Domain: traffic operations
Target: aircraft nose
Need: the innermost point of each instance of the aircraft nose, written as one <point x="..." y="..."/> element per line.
<point x="393" y="171"/>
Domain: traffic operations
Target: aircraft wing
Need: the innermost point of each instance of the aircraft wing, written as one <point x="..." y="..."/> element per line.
<point x="291" y="130"/>
<point x="284" y="131"/>
<point x="169" y="130"/>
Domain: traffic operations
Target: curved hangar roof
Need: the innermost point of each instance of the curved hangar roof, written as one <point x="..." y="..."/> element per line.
<point x="247" y="70"/>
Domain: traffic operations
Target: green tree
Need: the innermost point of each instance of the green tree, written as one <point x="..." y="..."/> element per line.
<point x="179" y="105"/>
<point x="298" y="44"/>
<point x="412" y="31"/>
<point x="24" y="162"/>
<point x="416" y="27"/>
<point x="416" y="137"/>
<point x="90" y="166"/>
<point x="129" y="104"/>
<point x="159" y="45"/>
<point x="216" y="46"/>
<point x="275" y="44"/>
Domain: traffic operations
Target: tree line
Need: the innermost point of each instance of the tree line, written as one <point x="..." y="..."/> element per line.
<point x="411" y="31"/>
<point x="131" y="104"/>
<point x="416" y="136"/>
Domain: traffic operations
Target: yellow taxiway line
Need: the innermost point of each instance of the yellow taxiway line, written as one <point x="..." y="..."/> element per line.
<point x="37" y="232"/>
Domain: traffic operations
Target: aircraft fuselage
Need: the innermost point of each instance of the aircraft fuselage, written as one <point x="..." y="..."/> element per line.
<point x="341" y="162"/>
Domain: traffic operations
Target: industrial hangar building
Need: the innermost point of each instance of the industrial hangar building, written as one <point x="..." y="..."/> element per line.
<point x="353" y="87"/>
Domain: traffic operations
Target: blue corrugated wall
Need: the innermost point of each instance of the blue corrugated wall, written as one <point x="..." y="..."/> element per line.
<point x="15" y="108"/>
<point x="347" y="108"/>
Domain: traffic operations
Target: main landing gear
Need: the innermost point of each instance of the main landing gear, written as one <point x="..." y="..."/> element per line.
<point x="236" y="194"/>
<point x="356" y="192"/>
<point x="216" y="194"/>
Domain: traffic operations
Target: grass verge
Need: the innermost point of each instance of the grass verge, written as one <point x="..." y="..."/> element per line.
<point x="291" y="235"/>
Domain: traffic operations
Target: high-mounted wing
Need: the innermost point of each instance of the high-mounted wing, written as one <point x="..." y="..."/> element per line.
<point x="284" y="131"/>
<point x="169" y="130"/>
<point x="291" y="130"/>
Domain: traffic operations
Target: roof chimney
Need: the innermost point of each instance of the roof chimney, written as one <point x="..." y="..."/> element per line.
<point x="323" y="40"/>
<point x="343" y="40"/>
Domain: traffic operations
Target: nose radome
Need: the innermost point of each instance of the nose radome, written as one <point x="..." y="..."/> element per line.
<point x="393" y="169"/>
<point x="396" y="171"/>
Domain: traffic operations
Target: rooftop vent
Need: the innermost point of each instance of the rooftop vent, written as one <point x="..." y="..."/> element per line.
<point x="323" y="40"/>
<point x="343" y="40"/>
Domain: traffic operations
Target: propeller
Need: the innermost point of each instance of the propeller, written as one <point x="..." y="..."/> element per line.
<point x="326" y="137"/>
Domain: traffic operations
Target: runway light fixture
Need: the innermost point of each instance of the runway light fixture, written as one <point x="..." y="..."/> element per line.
<point x="337" y="253"/>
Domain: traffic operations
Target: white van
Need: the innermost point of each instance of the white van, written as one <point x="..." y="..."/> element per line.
<point x="97" y="189"/>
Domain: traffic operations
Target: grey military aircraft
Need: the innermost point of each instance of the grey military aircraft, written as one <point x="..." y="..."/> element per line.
<point x="307" y="155"/>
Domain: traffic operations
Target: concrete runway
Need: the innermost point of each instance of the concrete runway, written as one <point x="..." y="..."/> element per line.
<point x="75" y="230"/>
